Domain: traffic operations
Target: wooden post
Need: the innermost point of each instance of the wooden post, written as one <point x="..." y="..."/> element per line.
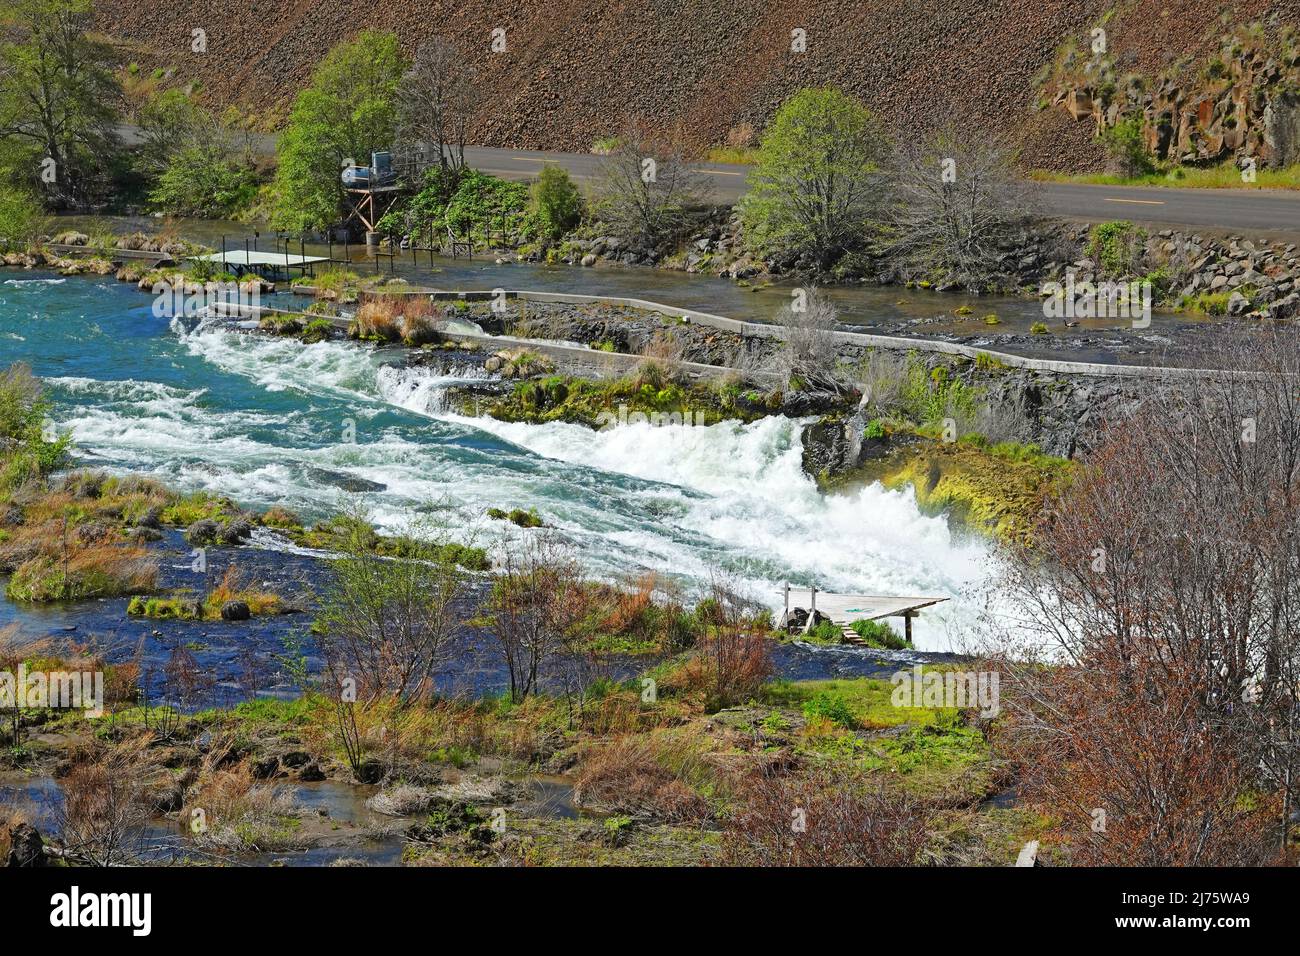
<point x="812" y="609"/>
<point x="785" y="617"/>
<point x="907" y="626"/>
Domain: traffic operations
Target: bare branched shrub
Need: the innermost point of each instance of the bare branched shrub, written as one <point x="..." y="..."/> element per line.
<point x="822" y="819"/>
<point x="957" y="206"/>
<point x="646" y="187"/>
<point x="808" y="359"/>
<point x="533" y="607"/>
<point x="1164" y="587"/>
<point x="732" y="659"/>
<point x="106" y="803"/>
<point x="385" y="623"/>
<point x="436" y="100"/>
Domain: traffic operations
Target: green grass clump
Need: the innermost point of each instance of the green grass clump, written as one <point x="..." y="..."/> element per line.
<point x="832" y="707"/>
<point x="1207" y="303"/>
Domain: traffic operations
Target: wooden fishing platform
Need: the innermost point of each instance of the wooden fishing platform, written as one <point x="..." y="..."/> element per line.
<point x="844" y="609"/>
<point x="240" y="261"/>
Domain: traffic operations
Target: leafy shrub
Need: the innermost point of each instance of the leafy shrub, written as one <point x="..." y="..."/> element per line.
<point x="21" y="217"/>
<point x="1127" y="149"/>
<point x="203" y="182"/>
<point x="554" y="203"/>
<point x="830" y="707"/>
<point x="1117" y="248"/>
<point x="929" y="397"/>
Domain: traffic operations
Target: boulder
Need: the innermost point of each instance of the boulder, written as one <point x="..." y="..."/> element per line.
<point x="26" y="848"/>
<point x="204" y="531"/>
<point x="236" y="611"/>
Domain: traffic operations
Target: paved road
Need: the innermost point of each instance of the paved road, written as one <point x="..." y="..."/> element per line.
<point x="1249" y="211"/>
<point x="1268" y="212"/>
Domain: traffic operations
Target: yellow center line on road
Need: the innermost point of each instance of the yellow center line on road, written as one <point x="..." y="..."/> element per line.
<point x="1140" y="202"/>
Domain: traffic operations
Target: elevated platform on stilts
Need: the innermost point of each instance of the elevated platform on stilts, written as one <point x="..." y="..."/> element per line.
<point x="844" y="609"/>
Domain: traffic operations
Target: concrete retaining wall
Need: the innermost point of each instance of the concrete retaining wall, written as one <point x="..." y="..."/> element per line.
<point x="763" y="330"/>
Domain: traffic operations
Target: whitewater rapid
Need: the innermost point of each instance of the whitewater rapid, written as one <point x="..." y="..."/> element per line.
<point x="693" y="503"/>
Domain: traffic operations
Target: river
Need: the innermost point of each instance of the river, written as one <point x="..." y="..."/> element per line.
<point x="269" y="421"/>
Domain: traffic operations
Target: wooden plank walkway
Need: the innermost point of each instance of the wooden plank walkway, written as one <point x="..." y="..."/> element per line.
<point x="844" y="609"/>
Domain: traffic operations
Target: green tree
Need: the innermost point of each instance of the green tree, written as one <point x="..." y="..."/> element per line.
<point x="815" y="187"/>
<point x="59" y="98"/>
<point x="168" y="122"/>
<point x="22" y="218"/>
<point x="554" y="202"/>
<point x="201" y="181"/>
<point x="346" y="112"/>
<point x="194" y="156"/>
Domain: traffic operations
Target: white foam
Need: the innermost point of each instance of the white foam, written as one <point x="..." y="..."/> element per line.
<point x="687" y="501"/>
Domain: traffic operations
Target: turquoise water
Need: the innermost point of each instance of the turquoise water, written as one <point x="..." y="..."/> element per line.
<point x="270" y="422"/>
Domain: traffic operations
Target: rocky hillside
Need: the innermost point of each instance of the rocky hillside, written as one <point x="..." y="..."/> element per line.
<point x="716" y="67"/>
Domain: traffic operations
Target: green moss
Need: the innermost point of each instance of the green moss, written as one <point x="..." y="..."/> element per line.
<point x="187" y="509"/>
<point x="996" y="488"/>
<point x="525" y="519"/>
<point x="603" y="403"/>
<point x="165" y="608"/>
<point x="346" y="533"/>
<point x="317" y="330"/>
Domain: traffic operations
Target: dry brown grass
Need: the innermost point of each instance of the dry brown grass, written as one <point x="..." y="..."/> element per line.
<point x="396" y="318"/>
<point x="11" y="815"/>
<point x="71" y="569"/>
<point x="662" y="775"/>
<point x="234" y="586"/>
<point x="662" y="360"/>
<point x="120" y="680"/>
<point x="228" y="809"/>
